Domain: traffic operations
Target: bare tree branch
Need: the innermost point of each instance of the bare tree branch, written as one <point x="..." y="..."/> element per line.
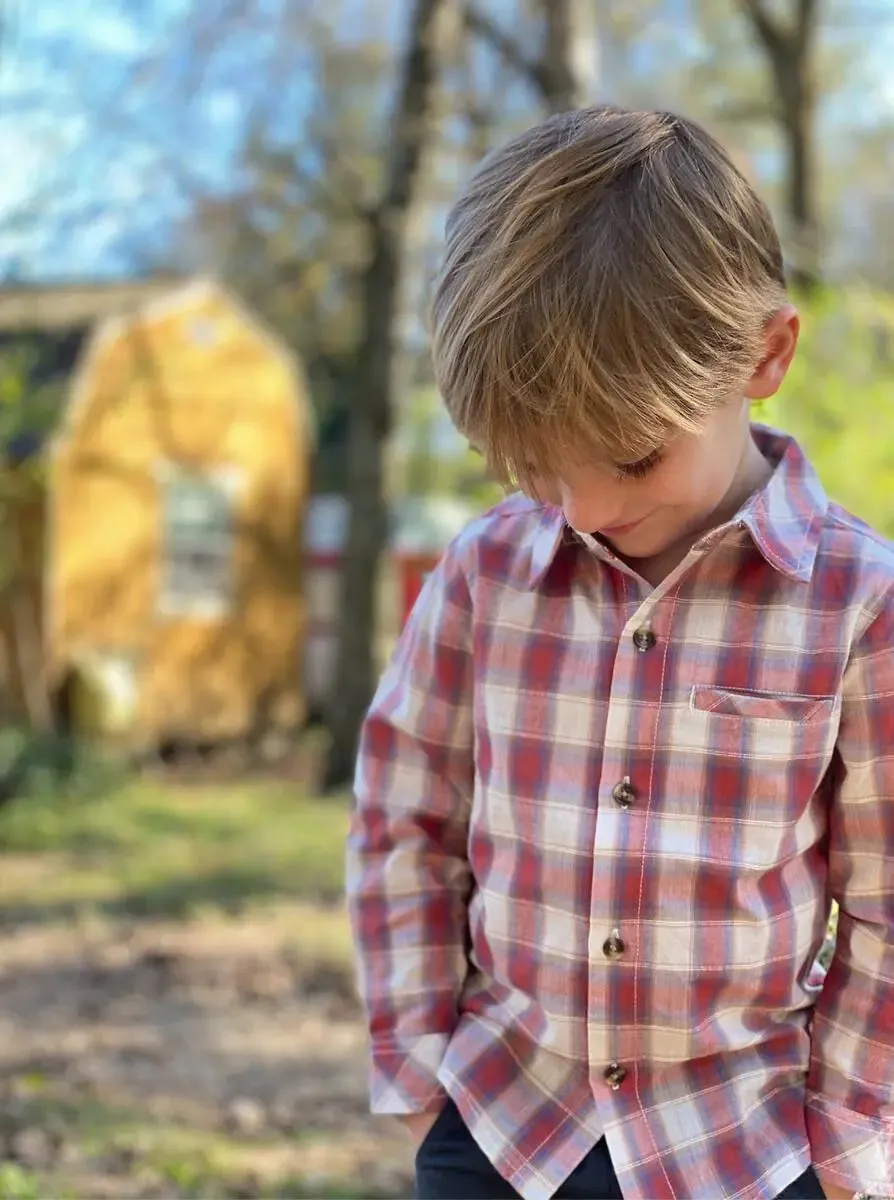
<point x="789" y="53"/>
<point x="748" y="112"/>
<point x="483" y="26"/>
<point x="567" y="67"/>
<point x="808" y="12"/>
<point x="765" y="26"/>
<point x="352" y="186"/>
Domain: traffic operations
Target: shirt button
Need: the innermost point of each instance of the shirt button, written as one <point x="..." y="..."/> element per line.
<point x="624" y="793"/>
<point x="644" y="639"/>
<point x="613" y="946"/>
<point x="614" y="1075"/>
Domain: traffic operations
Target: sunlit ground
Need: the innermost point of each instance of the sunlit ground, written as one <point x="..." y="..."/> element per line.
<point x="178" y="1016"/>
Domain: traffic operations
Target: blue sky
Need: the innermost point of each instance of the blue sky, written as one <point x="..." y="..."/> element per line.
<point x="66" y="72"/>
<point x="62" y="64"/>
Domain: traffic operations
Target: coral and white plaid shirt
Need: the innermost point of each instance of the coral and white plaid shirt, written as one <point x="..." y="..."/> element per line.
<point x="596" y="833"/>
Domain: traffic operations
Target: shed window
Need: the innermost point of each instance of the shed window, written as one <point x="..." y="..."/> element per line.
<point x="197" y="543"/>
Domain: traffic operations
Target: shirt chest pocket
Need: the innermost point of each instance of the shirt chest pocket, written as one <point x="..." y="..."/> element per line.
<point x="779" y="710"/>
<point x="742" y="770"/>
<point x="778" y="744"/>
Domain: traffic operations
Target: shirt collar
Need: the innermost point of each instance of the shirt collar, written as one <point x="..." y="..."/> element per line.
<point x="784" y="517"/>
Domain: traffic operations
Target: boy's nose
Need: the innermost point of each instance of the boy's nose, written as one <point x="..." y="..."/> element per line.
<point x="590" y="511"/>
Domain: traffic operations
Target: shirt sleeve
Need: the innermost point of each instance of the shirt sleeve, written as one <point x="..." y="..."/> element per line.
<point x="850" y="1097"/>
<point x="408" y="876"/>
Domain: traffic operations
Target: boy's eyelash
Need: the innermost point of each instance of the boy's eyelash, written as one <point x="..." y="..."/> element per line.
<point x="636" y="470"/>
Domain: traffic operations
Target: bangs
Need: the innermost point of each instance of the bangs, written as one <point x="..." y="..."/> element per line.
<point x="534" y="414"/>
<point x="524" y="450"/>
<point x="572" y="363"/>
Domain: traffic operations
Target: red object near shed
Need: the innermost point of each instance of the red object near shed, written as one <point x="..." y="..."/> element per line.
<point x="422" y="528"/>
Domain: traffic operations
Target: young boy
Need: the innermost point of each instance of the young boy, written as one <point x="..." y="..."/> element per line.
<point x="638" y="730"/>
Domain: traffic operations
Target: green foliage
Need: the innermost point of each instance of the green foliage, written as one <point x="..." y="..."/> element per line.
<point x="40" y="770"/>
<point x="837" y="399"/>
<point x="24" y="408"/>
<point x="148" y="848"/>
<point x="430" y="457"/>
<point x="23" y="405"/>
<point x="18" y="1184"/>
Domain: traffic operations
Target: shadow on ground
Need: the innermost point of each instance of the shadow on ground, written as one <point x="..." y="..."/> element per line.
<point x="230" y="890"/>
<point x="209" y="1059"/>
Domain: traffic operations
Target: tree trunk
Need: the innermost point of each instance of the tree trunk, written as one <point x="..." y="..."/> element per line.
<point x="565" y="73"/>
<point x="570" y="57"/>
<point x="790" y="52"/>
<point x="798" y="114"/>
<point x="373" y="388"/>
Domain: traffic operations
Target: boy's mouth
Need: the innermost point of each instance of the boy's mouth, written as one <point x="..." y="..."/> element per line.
<point x="616" y="530"/>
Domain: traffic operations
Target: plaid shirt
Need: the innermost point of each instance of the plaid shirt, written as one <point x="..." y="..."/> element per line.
<point x="596" y="833"/>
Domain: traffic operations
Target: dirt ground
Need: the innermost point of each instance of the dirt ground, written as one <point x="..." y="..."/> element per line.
<point x="211" y="1057"/>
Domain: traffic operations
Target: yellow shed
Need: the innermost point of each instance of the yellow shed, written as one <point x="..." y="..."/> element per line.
<point x="178" y="483"/>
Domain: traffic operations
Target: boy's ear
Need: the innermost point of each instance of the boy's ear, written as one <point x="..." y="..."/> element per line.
<point x="780" y="341"/>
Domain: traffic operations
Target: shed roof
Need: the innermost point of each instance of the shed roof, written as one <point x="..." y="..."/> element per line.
<point x="74" y="304"/>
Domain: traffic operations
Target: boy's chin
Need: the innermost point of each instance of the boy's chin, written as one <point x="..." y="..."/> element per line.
<point x="642" y="543"/>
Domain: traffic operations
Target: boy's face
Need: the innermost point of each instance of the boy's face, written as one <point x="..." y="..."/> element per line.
<point x="644" y="509"/>
<point x="693" y="484"/>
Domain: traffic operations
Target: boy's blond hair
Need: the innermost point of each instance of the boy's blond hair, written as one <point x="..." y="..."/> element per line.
<point x="607" y="278"/>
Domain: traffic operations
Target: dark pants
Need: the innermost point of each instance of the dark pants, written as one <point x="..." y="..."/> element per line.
<point x="451" y="1166"/>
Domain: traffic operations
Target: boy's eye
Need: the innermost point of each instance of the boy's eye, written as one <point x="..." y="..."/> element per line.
<point x="636" y="470"/>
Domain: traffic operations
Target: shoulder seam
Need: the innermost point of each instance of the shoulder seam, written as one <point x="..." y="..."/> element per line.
<point x="846" y="521"/>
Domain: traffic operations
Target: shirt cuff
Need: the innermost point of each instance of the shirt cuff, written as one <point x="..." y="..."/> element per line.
<point x="405" y="1076"/>
<point x="853" y="1149"/>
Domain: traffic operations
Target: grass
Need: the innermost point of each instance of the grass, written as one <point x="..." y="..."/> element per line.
<point x="17" y="1183"/>
<point x="157" y="850"/>
<point x="192" y="855"/>
<point x="192" y="1163"/>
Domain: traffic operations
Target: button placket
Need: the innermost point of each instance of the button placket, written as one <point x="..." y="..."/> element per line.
<point x="624" y="794"/>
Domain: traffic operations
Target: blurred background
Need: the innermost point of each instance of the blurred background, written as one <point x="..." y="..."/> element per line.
<point x="225" y="474"/>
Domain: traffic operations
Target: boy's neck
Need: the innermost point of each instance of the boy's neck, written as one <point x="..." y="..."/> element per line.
<point x="753" y="473"/>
